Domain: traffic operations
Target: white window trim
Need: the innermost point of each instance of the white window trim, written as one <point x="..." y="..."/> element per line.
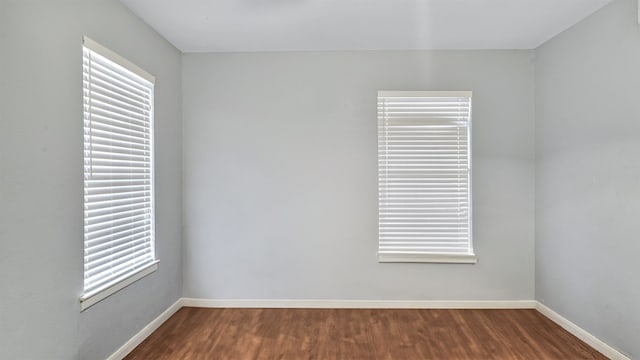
<point x="428" y="258"/>
<point x="115" y="57"/>
<point x="457" y="258"/>
<point x="87" y="299"/>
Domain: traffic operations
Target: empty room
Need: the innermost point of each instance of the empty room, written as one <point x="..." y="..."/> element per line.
<point x="319" y="179"/>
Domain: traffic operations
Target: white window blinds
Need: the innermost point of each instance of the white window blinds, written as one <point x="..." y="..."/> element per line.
<point x="118" y="172"/>
<point x="424" y="175"/>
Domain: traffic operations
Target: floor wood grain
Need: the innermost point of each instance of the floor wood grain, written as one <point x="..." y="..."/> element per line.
<point x="201" y="333"/>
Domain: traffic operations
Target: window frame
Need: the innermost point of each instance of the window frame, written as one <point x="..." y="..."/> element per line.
<point x="397" y="255"/>
<point x="91" y="295"/>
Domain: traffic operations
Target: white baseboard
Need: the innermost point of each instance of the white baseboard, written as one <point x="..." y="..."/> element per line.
<point x="146" y="331"/>
<point x="580" y="333"/>
<point x="361" y="304"/>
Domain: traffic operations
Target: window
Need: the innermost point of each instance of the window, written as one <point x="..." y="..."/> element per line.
<point x="424" y="177"/>
<point x="118" y="173"/>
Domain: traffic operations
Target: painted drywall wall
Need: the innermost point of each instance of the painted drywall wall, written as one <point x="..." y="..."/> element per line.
<point x="280" y="175"/>
<point x="587" y="177"/>
<point x="41" y="250"/>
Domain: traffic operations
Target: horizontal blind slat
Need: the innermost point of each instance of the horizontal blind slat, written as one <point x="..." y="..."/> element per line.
<point x="97" y="89"/>
<point x="114" y="79"/>
<point x="111" y="116"/>
<point x="116" y="221"/>
<point x="104" y="66"/>
<point x="114" y="239"/>
<point x="113" y="254"/>
<point x="140" y="225"/>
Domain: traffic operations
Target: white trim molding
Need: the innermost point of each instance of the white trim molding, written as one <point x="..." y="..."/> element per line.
<point x="138" y="338"/>
<point x="117" y="58"/>
<point x="360" y="304"/>
<point x="88" y="300"/>
<point x="429" y="258"/>
<point x="580" y="333"/>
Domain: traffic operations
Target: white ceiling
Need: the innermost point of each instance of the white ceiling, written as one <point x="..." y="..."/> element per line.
<point x="284" y="25"/>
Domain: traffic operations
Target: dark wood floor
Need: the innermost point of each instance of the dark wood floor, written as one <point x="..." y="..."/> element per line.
<point x="197" y="333"/>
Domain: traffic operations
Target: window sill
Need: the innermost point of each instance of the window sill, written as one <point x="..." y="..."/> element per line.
<point x="88" y="300"/>
<point x="428" y="258"/>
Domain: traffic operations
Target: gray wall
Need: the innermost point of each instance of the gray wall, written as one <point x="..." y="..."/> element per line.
<point x="41" y="250"/>
<point x="587" y="175"/>
<point x="280" y="175"/>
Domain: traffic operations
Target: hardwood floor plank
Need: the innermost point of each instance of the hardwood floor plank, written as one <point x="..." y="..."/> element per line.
<point x="205" y="333"/>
